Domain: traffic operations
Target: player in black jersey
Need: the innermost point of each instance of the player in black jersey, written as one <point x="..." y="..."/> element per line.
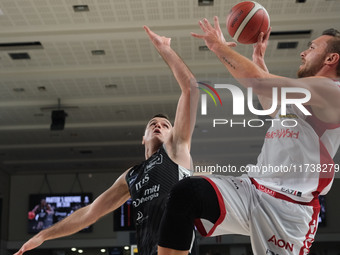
<point x="150" y="184"/>
<point x="167" y="154"/>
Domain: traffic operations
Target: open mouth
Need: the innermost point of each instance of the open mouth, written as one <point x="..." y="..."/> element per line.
<point x="156" y="131"/>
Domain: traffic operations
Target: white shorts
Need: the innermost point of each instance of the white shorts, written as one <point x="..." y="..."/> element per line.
<point x="275" y="226"/>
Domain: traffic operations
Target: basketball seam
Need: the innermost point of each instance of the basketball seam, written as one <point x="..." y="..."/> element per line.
<point x="245" y="21"/>
<point x="256" y="35"/>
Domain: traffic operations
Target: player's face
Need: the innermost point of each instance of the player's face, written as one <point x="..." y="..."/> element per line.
<point x="157" y="128"/>
<point x="314" y="57"/>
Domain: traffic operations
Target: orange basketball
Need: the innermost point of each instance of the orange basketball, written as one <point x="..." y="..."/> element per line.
<point x="246" y="20"/>
<point x="31" y="215"/>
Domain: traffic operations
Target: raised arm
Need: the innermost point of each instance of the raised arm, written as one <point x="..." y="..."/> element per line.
<point x="238" y="65"/>
<point x="259" y="50"/>
<point x="107" y="202"/>
<point x="324" y="94"/>
<point x="187" y="105"/>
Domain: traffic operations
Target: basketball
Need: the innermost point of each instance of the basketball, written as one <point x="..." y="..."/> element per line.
<point x="246" y="20"/>
<point x="31" y="215"/>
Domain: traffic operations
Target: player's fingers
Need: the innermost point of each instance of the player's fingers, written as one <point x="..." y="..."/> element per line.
<point x="217" y="23"/>
<point x="153" y="36"/>
<point x="19" y="252"/>
<point x="204" y="29"/>
<point x="260" y="37"/>
<point x="231" y="44"/>
<point x="197" y="35"/>
<point x="148" y="30"/>
<point x="207" y="24"/>
<point x="266" y="37"/>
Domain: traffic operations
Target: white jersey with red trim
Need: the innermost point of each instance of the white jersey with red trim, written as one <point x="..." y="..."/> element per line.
<point x="297" y="156"/>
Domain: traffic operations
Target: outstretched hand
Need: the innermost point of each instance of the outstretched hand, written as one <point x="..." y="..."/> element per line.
<point x="158" y="41"/>
<point x="213" y="35"/>
<point x="260" y="49"/>
<point x="34" y="242"/>
<point x="261" y="45"/>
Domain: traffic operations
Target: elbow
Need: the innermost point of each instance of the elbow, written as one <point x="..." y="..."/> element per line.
<point x="259" y="86"/>
<point x="194" y="93"/>
<point x="89" y="214"/>
<point x="256" y="83"/>
<point x="191" y="90"/>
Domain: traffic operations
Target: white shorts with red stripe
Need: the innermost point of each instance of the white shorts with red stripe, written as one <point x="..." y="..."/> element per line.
<point x="275" y="223"/>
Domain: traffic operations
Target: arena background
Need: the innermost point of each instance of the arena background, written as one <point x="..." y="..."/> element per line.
<point x="93" y="60"/>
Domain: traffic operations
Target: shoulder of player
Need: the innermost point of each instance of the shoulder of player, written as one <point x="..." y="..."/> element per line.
<point x="327" y="87"/>
<point x="324" y="91"/>
<point x="319" y="81"/>
<point x="131" y="171"/>
<point x="328" y="92"/>
<point x="310" y="83"/>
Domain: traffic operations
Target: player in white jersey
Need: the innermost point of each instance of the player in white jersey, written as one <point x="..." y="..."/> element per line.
<point x="303" y="152"/>
<point x="277" y="209"/>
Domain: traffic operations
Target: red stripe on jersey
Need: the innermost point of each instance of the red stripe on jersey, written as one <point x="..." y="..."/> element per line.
<point x="326" y="176"/>
<point x="314" y="202"/>
<point x="313" y="225"/>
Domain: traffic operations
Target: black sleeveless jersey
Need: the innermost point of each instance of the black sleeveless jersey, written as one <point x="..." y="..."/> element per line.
<point x="149" y="184"/>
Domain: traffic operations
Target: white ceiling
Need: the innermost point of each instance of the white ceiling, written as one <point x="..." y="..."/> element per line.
<point x="104" y="126"/>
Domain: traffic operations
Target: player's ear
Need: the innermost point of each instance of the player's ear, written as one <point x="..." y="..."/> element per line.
<point x="143" y="141"/>
<point x="332" y="58"/>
